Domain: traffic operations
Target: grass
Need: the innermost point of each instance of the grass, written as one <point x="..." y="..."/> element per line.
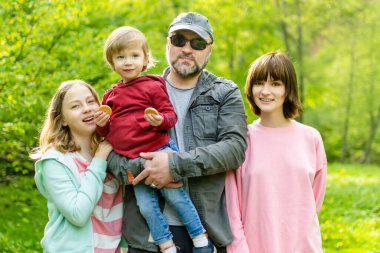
<point x="350" y="216"/>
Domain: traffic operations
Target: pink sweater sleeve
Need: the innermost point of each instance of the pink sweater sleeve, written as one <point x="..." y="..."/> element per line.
<point x="233" y="203"/>
<point x="319" y="184"/>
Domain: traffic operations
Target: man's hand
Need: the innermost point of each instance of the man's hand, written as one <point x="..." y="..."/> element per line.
<point x="157" y="170"/>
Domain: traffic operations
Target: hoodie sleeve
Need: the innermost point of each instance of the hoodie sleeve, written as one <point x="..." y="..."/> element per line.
<point x="75" y="202"/>
<point x="162" y="104"/>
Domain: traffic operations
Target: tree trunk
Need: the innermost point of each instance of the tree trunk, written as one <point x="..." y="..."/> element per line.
<point x="283" y="26"/>
<point x="300" y="54"/>
<point x="374" y="118"/>
<point x="372" y="133"/>
<point x="344" y="148"/>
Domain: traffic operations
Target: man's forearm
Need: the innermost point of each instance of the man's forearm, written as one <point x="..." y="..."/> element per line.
<point x="119" y="166"/>
<point x="208" y="160"/>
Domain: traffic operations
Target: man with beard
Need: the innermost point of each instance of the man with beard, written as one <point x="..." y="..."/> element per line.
<point x="211" y="135"/>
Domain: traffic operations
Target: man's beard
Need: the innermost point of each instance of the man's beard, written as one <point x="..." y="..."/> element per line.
<point x="185" y="70"/>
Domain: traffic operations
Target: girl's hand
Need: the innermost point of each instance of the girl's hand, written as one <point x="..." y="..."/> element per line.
<point x="154" y="120"/>
<point x="103" y="150"/>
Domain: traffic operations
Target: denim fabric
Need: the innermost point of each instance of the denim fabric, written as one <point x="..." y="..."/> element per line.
<point x="181" y="240"/>
<point x="171" y="144"/>
<point x="147" y="200"/>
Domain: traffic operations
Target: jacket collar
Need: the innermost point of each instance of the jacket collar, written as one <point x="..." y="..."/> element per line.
<point x="205" y="80"/>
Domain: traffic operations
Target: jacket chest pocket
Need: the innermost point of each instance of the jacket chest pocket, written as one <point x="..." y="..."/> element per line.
<point x="205" y="119"/>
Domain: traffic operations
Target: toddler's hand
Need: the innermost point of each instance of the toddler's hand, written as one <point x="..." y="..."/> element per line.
<point x="103" y="150"/>
<point x="154" y="120"/>
<point x="101" y="118"/>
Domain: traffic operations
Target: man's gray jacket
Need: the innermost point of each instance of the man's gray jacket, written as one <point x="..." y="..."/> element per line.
<point x="215" y="131"/>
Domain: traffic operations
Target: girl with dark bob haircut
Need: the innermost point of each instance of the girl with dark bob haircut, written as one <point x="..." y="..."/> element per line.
<point x="279" y="67"/>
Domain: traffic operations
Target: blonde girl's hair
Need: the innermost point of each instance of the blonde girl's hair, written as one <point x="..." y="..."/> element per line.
<point x="278" y="66"/>
<point x="122" y="38"/>
<point x="54" y="134"/>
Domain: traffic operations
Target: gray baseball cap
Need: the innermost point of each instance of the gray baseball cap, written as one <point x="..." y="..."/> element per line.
<point x="194" y="22"/>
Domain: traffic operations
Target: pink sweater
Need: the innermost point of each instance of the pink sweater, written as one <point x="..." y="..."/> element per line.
<point x="274" y="197"/>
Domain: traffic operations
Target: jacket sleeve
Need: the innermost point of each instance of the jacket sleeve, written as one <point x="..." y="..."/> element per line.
<point x="233" y="204"/>
<point x="76" y="203"/>
<point x="119" y="165"/>
<point x="229" y="150"/>
<point x="320" y="179"/>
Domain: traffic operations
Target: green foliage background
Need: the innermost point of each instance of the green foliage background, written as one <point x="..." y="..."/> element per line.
<point x="332" y="43"/>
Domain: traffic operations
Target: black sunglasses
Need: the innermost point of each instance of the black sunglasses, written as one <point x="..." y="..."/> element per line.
<point x="179" y="40"/>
